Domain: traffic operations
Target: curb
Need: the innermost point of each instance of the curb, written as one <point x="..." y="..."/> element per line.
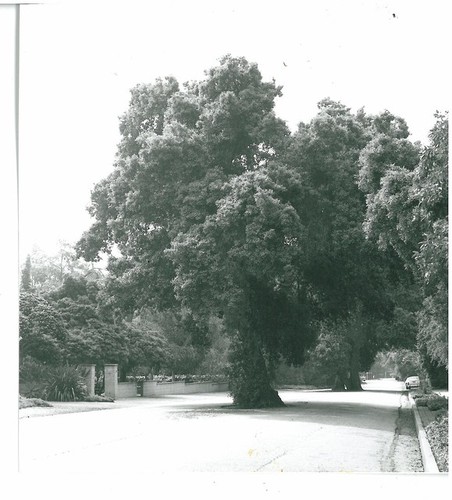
<point x="428" y="459"/>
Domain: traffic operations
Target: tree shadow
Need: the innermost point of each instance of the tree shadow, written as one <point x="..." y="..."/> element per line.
<point x="359" y="415"/>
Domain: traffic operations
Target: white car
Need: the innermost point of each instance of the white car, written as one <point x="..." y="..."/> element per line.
<point x="411" y="382"/>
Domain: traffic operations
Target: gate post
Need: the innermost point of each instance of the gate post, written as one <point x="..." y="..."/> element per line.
<point x="111" y="380"/>
<point x="89" y="374"/>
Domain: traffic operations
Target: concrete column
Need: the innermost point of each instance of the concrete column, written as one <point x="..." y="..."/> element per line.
<point x="111" y="381"/>
<point x="89" y="376"/>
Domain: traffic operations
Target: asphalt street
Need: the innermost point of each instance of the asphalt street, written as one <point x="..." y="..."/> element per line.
<point x="367" y="431"/>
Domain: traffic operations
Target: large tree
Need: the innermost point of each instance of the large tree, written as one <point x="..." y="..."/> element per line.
<point x="351" y="282"/>
<point x="179" y="150"/>
<point x="214" y="210"/>
<point x="245" y="262"/>
<point x="407" y="212"/>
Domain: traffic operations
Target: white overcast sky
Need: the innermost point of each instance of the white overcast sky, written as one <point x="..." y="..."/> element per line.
<point x="79" y="60"/>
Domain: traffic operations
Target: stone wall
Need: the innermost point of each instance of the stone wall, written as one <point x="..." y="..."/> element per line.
<point x="127" y="390"/>
<point x="152" y="388"/>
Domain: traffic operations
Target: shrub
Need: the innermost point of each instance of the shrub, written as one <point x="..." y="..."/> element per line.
<point x="432" y="401"/>
<point x="32" y="378"/>
<point x="441" y="413"/>
<point x="422" y="401"/>
<point x="65" y="384"/>
<point x="437" y="403"/>
<point x="419" y="395"/>
<point x="31" y="369"/>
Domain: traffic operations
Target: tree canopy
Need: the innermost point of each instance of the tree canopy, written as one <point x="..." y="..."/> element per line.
<point x="214" y="210"/>
<point x="408" y="212"/>
<point x="41" y="328"/>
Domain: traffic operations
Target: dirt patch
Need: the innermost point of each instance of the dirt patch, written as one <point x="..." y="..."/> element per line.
<point x="404" y="454"/>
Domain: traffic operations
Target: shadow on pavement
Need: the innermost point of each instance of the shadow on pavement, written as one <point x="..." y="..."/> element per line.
<point x="351" y="414"/>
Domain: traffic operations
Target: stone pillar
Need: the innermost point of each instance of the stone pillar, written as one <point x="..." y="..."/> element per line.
<point x="111" y="380"/>
<point x="89" y="376"/>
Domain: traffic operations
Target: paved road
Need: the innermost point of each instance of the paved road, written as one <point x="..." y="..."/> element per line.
<point x="369" y="431"/>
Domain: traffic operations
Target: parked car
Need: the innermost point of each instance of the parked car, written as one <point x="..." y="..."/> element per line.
<point x="411" y="382"/>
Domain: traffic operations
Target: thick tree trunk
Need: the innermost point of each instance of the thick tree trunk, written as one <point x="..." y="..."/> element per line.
<point x="354" y="382"/>
<point x="249" y="377"/>
<point x="339" y="384"/>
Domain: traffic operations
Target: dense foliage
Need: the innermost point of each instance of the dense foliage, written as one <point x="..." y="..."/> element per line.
<point x="220" y="224"/>
<point x="73" y="320"/>
<point x="407" y="211"/>
<point x="64" y="383"/>
<point x="41" y="328"/>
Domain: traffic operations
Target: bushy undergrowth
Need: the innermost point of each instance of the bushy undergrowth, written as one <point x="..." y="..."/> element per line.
<point x="32" y="378"/>
<point x="51" y="383"/>
<point x="419" y="395"/>
<point x="438" y="436"/>
<point x="65" y="384"/>
<point x="432" y="401"/>
<point x="438" y="403"/>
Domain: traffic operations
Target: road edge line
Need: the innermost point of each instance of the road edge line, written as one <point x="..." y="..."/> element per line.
<point x="428" y="459"/>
